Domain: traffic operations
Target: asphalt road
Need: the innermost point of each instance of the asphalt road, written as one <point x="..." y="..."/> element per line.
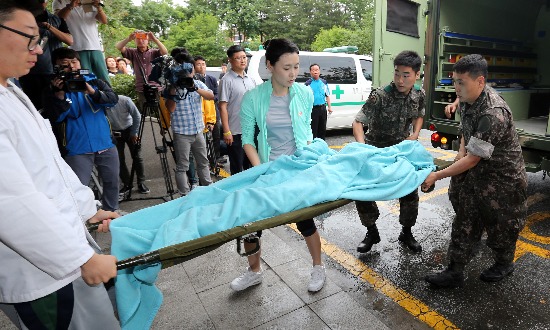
<point x="521" y="301"/>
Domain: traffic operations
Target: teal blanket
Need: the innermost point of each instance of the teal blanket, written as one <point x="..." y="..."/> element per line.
<point x="313" y="175"/>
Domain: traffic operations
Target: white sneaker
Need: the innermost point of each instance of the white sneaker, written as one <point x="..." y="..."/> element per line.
<point x="248" y="279"/>
<point x="317" y="278"/>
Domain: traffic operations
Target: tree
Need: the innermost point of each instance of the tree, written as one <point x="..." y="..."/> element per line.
<point x="201" y="35"/>
<point x="363" y="36"/>
<point x="241" y="16"/>
<point x="118" y="14"/>
<point x="301" y="20"/>
<point x="195" y="7"/>
<point x="257" y="20"/>
<point x="157" y="16"/>
<point x="360" y="34"/>
<point x="334" y="37"/>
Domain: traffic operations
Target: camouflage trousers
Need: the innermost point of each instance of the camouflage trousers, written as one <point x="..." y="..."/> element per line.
<point x="408" y="205"/>
<point x="498" y="208"/>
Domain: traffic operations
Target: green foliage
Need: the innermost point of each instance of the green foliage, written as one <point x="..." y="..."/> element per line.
<point x="364" y="32"/>
<point x="241" y="15"/>
<point x="157" y="16"/>
<point x="125" y="84"/>
<point x="302" y="20"/>
<point x="111" y="34"/>
<point x="206" y="27"/>
<point x="117" y="28"/>
<point x="337" y="36"/>
<point x="201" y="35"/>
<point x="334" y="37"/>
<point x="252" y="44"/>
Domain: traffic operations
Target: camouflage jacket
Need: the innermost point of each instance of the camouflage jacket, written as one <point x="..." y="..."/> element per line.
<point x="388" y="114"/>
<point x="489" y="132"/>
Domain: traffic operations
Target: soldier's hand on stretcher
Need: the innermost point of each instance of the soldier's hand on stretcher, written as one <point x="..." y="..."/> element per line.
<point x="429" y="184"/>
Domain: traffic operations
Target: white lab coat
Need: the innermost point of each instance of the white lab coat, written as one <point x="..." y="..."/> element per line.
<point x="43" y="241"/>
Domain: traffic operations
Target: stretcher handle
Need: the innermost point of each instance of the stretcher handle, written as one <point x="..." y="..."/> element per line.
<point x="142" y="259"/>
<point x="93" y="226"/>
<point x="439" y="165"/>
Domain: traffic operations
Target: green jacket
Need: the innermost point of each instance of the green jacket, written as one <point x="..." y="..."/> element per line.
<point x="254" y="109"/>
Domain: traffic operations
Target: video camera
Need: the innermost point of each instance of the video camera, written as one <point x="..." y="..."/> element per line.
<point x="150" y="92"/>
<point x="171" y="74"/>
<point x="181" y="78"/>
<point x="73" y="81"/>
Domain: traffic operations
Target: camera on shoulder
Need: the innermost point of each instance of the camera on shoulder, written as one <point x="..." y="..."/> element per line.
<point x="185" y="82"/>
<point x="174" y="72"/>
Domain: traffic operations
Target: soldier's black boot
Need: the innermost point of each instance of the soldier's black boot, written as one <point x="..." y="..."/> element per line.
<point x="451" y="277"/>
<point x="407" y="238"/>
<point x="497" y="272"/>
<point x="371" y="238"/>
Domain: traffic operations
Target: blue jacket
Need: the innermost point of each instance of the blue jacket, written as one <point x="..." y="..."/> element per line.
<point x="254" y="109"/>
<point x="84" y="127"/>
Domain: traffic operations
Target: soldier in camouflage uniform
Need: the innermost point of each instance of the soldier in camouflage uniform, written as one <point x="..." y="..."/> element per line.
<point x="488" y="184"/>
<point x="388" y="115"/>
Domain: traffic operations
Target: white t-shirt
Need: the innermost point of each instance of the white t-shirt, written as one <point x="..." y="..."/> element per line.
<point x="82" y="25"/>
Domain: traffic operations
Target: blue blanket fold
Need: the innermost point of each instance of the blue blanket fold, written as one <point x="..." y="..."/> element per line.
<point x="313" y="175"/>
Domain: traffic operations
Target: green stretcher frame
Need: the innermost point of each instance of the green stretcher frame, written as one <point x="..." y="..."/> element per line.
<point x="175" y="254"/>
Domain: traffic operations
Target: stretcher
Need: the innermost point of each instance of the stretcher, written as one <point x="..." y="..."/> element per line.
<point x="178" y="253"/>
<point x="287" y="190"/>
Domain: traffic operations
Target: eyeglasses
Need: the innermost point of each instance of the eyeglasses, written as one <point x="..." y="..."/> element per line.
<point x="241" y="58"/>
<point x="34" y="40"/>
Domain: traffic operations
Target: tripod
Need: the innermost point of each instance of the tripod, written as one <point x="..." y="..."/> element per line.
<point x="151" y="109"/>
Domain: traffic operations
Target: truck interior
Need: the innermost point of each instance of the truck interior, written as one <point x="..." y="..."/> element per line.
<point x="514" y="38"/>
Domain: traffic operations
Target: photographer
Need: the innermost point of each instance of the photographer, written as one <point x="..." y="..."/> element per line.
<point x="183" y="100"/>
<point x="77" y="102"/>
<point x="141" y="57"/>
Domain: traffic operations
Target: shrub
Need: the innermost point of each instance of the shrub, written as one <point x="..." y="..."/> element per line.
<point x="125" y="84"/>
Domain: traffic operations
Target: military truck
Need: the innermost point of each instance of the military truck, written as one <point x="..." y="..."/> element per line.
<point x="514" y="38"/>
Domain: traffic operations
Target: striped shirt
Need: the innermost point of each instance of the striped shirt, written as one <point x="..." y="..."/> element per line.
<point x="187" y="118"/>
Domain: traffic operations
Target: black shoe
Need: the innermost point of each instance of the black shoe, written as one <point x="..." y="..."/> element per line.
<point x="124" y="190"/>
<point x="409" y="241"/>
<point x="124" y="193"/>
<point x="446" y="279"/>
<point x="142" y="188"/>
<point x="497" y="272"/>
<point x="370" y="239"/>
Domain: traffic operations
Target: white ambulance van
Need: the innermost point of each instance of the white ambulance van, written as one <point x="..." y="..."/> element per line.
<point x="349" y="78"/>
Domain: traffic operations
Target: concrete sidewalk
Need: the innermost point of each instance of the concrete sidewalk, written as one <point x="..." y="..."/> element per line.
<point x="197" y="294"/>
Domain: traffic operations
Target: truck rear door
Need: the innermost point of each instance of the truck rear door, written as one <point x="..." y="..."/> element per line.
<point x="399" y="25"/>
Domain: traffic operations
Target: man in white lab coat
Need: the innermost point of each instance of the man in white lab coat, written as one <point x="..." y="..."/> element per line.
<point x="51" y="270"/>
